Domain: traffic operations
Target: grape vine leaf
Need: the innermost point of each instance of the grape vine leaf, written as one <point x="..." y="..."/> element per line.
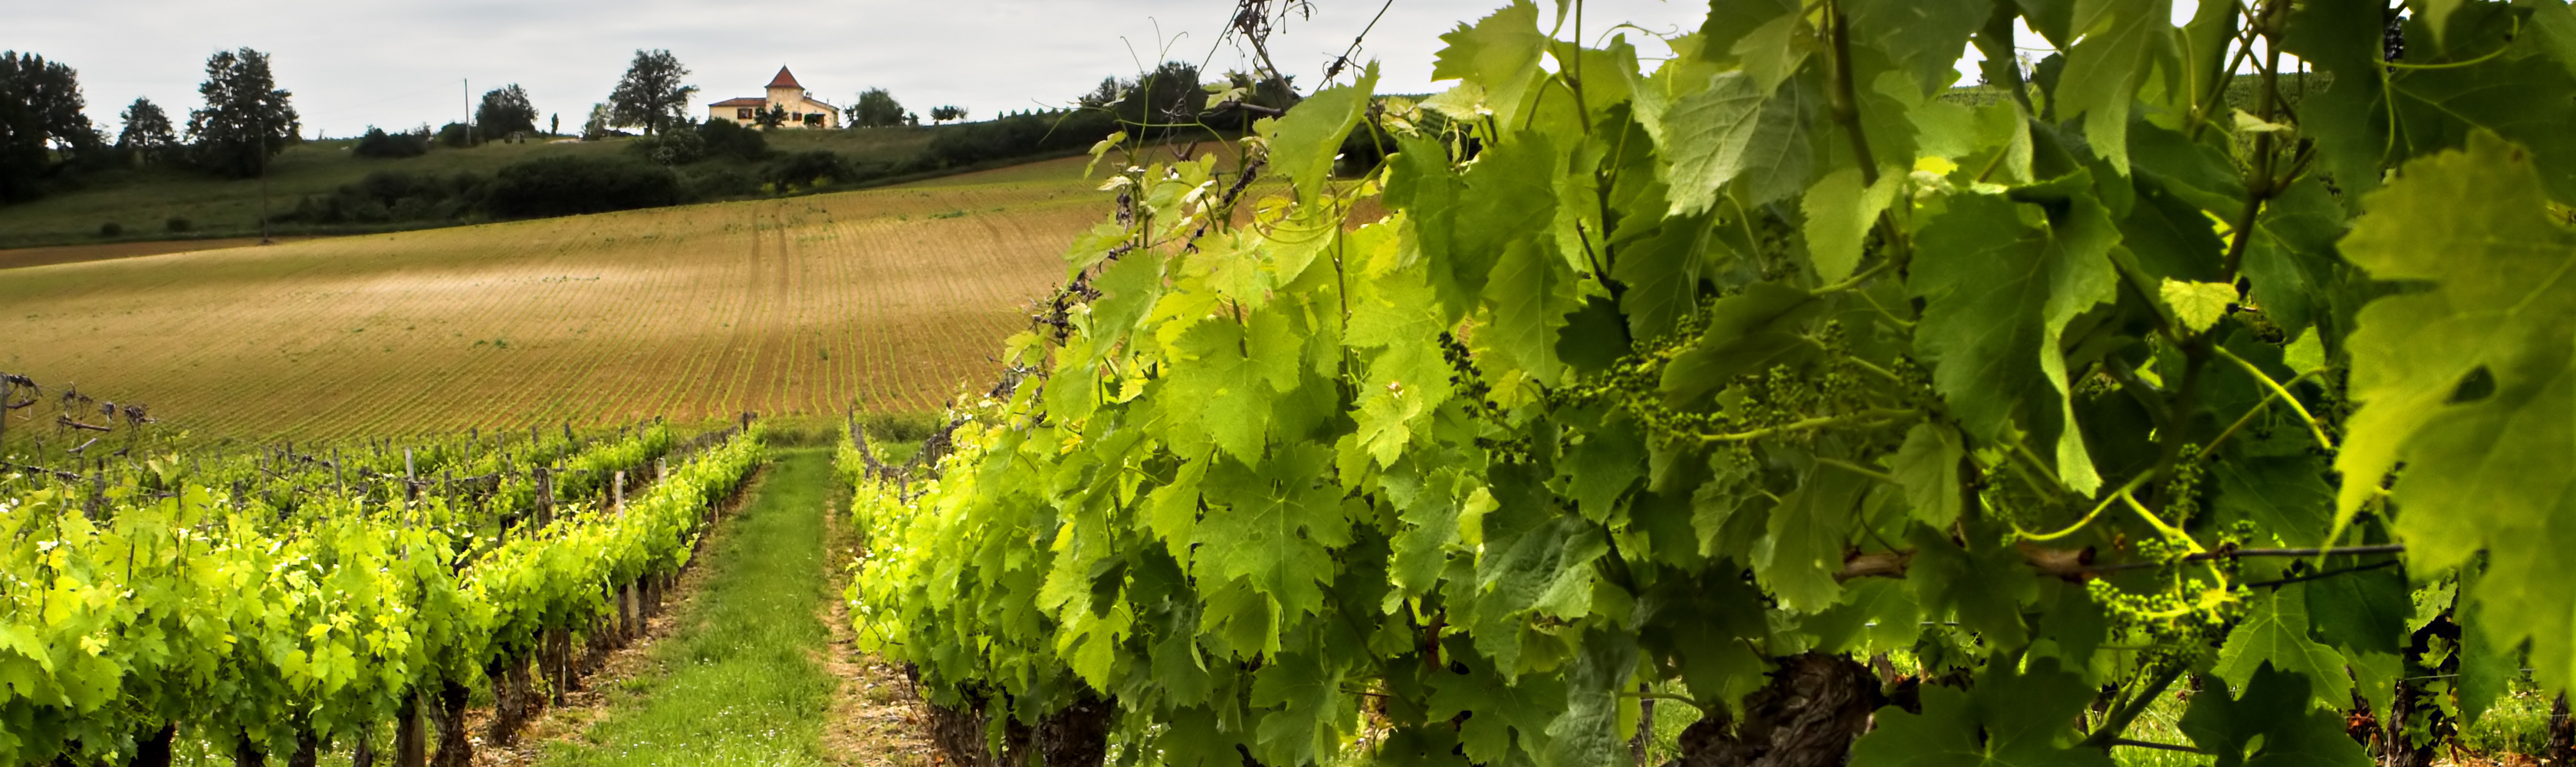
<point x="2275" y="632"/>
<point x="1660" y="261"/>
<point x="1500" y="53"/>
<point x="2198" y="304"/>
<point x="1501" y="706"/>
<point x="1276" y="526"/>
<point x="2291" y="261"/>
<point x="1803" y="548"/>
<point x="2484" y="469"/>
<point x="1235" y="372"/>
<point x="1922" y="37"/>
<point x="2342" y="39"/>
<point x="2010" y="718"/>
<point x="1839" y="214"/>
<point x="2362" y="611"/>
<point x="1996" y="288"/>
<point x="2274" y="706"/>
<point x="1304" y="693"/>
<point x="1734" y="129"/>
<point x="1928" y="467"/>
<point x="1747" y="332"/>
<point x="2119" y="38"/>
<point x="1308" y="138"/>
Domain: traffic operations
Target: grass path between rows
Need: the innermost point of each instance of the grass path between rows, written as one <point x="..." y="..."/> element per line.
<point x="742" y="680"/>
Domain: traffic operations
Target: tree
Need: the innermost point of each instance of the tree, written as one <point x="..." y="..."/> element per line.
<point x="876" y="109"/>
<point x="556" y="126"/>
<point x="651" y="95"/>
<point x="148" y="133"/>
<point x="772" y="117"/>
<point x="598" y="126"/>
<point x="1168" y="96"/>
<point x="247" y="118"/>
<point x="941" y="114"/>
<point x="506" y="111"/>
<point x="42" y="127"/>
<point x="1109" y="91"/>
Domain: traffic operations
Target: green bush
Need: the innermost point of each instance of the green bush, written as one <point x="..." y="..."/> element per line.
<point x="565" y="186"/>
<point x="110" y="229"/>
<point x="178" y="224"/>
<point x="378" y="143"/>
<point x="816" y="168"/>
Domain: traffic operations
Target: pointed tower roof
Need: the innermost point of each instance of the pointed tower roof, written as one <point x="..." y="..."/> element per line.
<point x="784" y="80"/>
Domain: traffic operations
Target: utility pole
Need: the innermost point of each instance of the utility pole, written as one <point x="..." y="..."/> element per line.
<point x="469" y="110"/>
<point x="263" y="178"/>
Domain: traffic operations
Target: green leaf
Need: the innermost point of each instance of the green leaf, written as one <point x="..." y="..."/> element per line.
<point x="2009" y="718"/>
<point x="1500" y="54"/>
<point x="1928" y="466"/>
<point x="1804" y="546"/>
<point x="2292" y="262"/>
<point x="1128" y="290"/>
<point x="1306" y="140"/>
<point x="1923" y="37"/>
<point x="1984" y="586"/>
<point x="1996" y="289"/>
<point x="1232" y="376"/>
<point x="2342" y="39"/>
<point x="1747" y="332"/>
<point x="2198" y="304"/>
<point x="1583" y="735"/>
<point x="1660" y="262"/>
<point x="1501" y="706"/>
<point x="2275" y="710"/>
<point x="1734" y="129"/>
<point x="2275" y="632"/>
<point x="1273" y="526"/>
<point x="2487" y="467"/>
<point x="1308" y="708"/>
<point x="2286" y="498"/>
<point x="1840" y="212"/>
<point x="2105" y="68"/>
<point x="2363" y="611"/>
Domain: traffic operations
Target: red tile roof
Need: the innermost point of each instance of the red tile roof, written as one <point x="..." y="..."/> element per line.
<point x="784" y="80"/>
<point x="741" y="102"/>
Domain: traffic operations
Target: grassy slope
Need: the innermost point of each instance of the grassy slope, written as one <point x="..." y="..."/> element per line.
<point x="741" y="682"/>
<point x="143" y="199"/>
<point x="888" y="298"/>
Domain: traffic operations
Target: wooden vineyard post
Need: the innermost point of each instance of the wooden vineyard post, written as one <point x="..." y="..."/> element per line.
<point x="411" y="478"/>
<point x="661" y="470"/>
<point x="4" y="414"/>
<point x="545" y="499"/>
<point x="617" y="493"/>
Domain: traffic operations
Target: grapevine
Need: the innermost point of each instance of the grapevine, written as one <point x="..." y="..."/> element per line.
<point x="1783" y="377"/>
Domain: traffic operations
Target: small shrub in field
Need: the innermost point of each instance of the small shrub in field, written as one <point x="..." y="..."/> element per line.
<point x="726" y="138"/>
<point x="564" y="186"/>
<point x="177" y="224"/>
<point x="815" y="168"/>
<point x="377" y="143"/>
<point x="110" y="229"/>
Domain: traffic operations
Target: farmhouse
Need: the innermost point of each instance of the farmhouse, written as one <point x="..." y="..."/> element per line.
<point x="785" y="95"/>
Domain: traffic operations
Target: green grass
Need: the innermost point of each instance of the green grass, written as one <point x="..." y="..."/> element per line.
<point x="738" y="681"/>
<point x="142" y="200"/>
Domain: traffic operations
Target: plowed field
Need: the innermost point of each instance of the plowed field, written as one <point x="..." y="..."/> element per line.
<point x="886" y="300"/>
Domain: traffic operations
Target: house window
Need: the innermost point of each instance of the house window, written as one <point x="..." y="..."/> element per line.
<point x="742" y="114"/>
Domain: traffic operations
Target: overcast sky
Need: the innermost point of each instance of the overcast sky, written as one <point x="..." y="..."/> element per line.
<point x="355" y="63"/>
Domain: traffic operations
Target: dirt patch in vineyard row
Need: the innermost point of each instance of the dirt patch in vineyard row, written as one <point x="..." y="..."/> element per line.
<point x="884" y="299"/>
<point x="876" y="720"/>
